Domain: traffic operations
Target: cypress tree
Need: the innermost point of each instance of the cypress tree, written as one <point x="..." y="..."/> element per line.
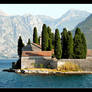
<point x="49" y="38"/>
<point x="58" y="48"/>
<point x="39" y="40"/>
<point x="29" y="42"/>
<point x="53" y="39"/>
<point x="64" y="36"/>
<point x="84" y="45"/>
<point x="44" y="38"/>
<point x="20" y="46"/>
<point x="49" y="31"/>
<point x="35" y="37"/>
<point x="78" y="47"/>
<point x="69" y="45"/>
<point x="50" y="44"/>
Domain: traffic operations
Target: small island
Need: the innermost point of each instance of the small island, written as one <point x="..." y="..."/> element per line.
<point x="52" y="54"/>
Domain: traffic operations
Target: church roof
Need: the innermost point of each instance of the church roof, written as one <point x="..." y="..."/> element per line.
<point x="32" y="47"/>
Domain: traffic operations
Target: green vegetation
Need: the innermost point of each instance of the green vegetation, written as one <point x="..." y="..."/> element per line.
<point x="49" y="39"/>
<point x="69" y="45"/>
<point x="29" y="42"/>
<point x="35" y="37"/>
<point x="58" y="48"/>
<point x="44" y="38"/>
<point x="84" y="45"/>
<point x="20" y="46"/>
<point x="41" y="66"/>
<point x="80" y="47"/>
<point x="65" y="47"/>
<point x="53" y="39"/>
<point x="49" y="44"/>
<point x="39" y="40"/>
<point x="64" y="36"/>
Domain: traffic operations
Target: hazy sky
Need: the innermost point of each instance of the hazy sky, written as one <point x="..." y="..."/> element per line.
<point x="53" y="10"/>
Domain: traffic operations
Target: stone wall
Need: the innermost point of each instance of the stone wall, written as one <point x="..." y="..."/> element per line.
<point x="84" y="64"/>
<point x="34" y="61"/>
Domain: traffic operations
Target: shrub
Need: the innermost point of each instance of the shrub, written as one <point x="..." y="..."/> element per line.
<point x="41" y="66"/>
<point x="69" y="66"/>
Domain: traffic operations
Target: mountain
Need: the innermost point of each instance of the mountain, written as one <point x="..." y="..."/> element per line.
<point x="86" y="28"/>
<point x="11" y="27"/>
<point x="3" y="13"/>
<point x="71" y="18"/>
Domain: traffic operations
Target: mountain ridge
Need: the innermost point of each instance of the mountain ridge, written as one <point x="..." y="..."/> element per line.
<point x="11" y="27"/>
<point x="86" y="28"/>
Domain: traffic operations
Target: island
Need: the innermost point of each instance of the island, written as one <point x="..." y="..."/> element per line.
<point x="53" y="55"/>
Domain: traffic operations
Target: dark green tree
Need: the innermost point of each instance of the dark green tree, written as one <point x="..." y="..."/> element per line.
<point x="78" y="47"/>
<point x="69" y="46"/>
<point x="20" y="46"/>
<point x="53" y="39"/>
<point x="35" y="37"/>
<point x="58" y="48"/>
<point x="49" y="32"/>
<point x="44" y="38"/>
<point x="29" y="42"/>
<point x="39" y="40"/>
<point x="64" y="37"/>
<point x="49" y="38"/>
<point x="49" y="44"/>
<point x="84" y="45"/>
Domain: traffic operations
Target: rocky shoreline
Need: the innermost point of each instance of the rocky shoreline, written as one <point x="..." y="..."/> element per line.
<point x="46" y="71"/>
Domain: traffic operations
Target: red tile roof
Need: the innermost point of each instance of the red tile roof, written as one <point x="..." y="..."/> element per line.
<point x="37" y="53"/>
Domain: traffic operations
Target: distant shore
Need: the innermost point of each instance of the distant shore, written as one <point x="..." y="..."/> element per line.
<point x="46" y="71"/>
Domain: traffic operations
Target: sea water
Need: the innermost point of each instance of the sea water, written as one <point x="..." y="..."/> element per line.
<point x="14" y="80"/>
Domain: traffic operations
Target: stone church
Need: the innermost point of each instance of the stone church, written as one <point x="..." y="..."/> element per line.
<point x="34" y="57"/>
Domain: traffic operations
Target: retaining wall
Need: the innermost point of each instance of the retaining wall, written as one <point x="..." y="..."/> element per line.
<point x="84" y="64"/>
<point x="35" y="61"/>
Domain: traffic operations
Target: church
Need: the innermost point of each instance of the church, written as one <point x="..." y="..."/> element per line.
<point x="34" y="57"/>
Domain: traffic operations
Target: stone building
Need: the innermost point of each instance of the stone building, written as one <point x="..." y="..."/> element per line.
<point x="33" y="57"/>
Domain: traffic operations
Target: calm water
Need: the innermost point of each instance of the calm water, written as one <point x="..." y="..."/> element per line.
<point x="13" y="80"/>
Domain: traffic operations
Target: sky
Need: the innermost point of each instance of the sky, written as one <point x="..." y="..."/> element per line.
<point x="53" y="10"/>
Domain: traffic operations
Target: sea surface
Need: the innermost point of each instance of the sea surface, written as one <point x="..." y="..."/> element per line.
<point x="14" y="80"/>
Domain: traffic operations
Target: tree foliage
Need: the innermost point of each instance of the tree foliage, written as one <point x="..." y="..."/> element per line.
<point x="29" y="42"/>
<point x="20" y="46"/>
<point x="49" y="38"/>
<point x="35" y="37"/>
<point x="58" y="48"/>
<point x="44" y="38"/>
<point x="69" y="45"/>
<point x="79" y="45"/>
<point x="64" y="38"/>
<point x="84" y="45"/>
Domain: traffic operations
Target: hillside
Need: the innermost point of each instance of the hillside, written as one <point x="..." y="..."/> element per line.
<point x="86" y="28"/>
<point x="13" y="26"/>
